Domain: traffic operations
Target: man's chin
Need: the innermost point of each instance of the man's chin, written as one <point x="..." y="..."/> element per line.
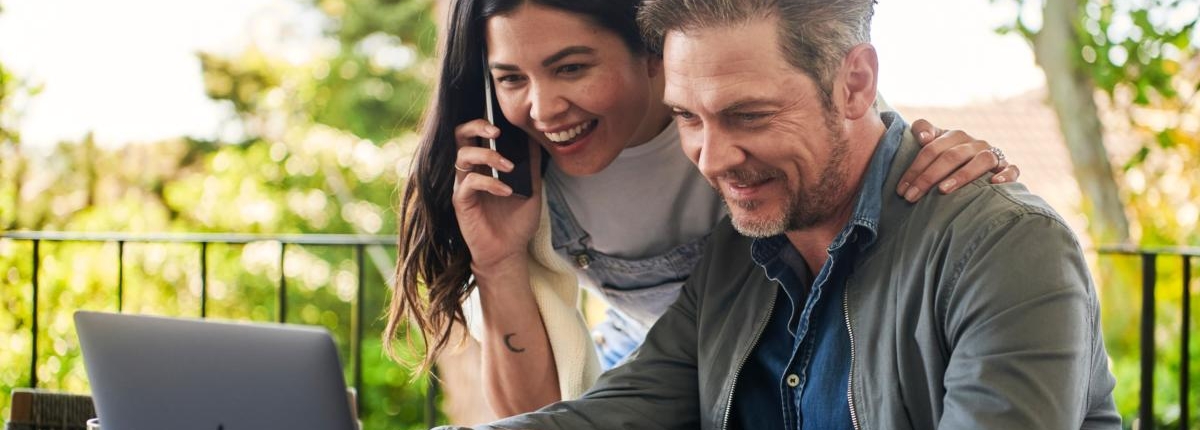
<point x="758" y="226"/>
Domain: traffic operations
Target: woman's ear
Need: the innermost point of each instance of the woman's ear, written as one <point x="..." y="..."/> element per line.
<point x="860" y="73"/>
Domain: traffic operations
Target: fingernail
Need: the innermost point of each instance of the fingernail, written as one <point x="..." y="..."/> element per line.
<point x="493" y="130"/>
<point x="924" y="136"/>
<point x="950" y="183"/>
<point x="507" y="190"/>
<point x="903" y="186"/>
<point x="507" y="164"/>
<point x="911" y="194"/>
<point x="999" y="179"/>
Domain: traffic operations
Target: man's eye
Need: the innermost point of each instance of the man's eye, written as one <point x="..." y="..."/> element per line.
<point x="751" y="116"/>
<point x="683" y="115"/>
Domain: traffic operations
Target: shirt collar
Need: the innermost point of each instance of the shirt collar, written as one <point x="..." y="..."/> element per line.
<point x="766" y="251"/>
<point x="864" y="221"/>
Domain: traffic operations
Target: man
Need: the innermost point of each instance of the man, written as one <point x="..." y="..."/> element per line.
<point x="840" y="305"/>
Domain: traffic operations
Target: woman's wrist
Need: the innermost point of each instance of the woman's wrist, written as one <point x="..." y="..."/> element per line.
<point x="502" y="274"/>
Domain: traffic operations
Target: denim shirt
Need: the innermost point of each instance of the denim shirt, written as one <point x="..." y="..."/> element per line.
<point x="797" y="375"/>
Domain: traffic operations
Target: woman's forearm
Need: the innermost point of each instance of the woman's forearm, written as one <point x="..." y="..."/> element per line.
<point x="519" y="373"/>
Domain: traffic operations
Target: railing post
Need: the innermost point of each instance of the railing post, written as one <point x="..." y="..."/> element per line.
<point x="33" y="379"/>
<point x="282" y="299"/>
<point x="357" y="322"/>
<point x="1146" y="408"/>
<point x="431" y="399"/>
<point x="120" y="275"/>
<point x="203" y="279"/>
<point x="1185" y="341"/>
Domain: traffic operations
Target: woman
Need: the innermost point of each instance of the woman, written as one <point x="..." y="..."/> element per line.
<point x="623" y="212"/>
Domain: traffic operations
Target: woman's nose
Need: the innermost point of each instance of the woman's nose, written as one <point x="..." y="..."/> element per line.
<point x="546" y="103"/>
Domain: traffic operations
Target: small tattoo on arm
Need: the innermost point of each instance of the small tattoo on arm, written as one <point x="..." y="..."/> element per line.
<point x="509" y="345"/>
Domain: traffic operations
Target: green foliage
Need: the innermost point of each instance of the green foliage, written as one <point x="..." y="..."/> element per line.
<point x="323" y="148"/>
<point x="374" y="85"/>
<point x="233" y="188"/>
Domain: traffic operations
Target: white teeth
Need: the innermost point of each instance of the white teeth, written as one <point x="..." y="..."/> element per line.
<point x="566" y="135"/>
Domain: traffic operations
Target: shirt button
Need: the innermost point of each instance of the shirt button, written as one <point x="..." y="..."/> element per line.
<point x="582" y="261"/>
<point x="793" y="380"/>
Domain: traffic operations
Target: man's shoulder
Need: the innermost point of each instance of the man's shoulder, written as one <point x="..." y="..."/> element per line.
<point x="985" y="230"/>
<point x="982" y="206"/>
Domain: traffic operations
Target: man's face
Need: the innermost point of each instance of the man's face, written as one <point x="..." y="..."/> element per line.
<point x="756" y="127"/>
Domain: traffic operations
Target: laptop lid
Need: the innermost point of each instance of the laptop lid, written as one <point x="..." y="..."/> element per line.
<point x="154" y="373"/>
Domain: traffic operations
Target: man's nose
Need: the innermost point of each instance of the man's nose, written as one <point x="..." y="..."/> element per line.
<point x="718" y="152"/>
<point x="546" y="103"/>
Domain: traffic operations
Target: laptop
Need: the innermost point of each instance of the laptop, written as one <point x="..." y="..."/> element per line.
<point x="155" y="373"/>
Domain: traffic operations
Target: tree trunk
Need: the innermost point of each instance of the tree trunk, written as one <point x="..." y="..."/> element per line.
<point x="1072" y="94"/>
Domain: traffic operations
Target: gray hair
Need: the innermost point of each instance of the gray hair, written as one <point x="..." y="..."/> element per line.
<point x="815" y="35"/>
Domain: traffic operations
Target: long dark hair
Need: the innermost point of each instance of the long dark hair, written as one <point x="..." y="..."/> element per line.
<point x="434" y="265"/>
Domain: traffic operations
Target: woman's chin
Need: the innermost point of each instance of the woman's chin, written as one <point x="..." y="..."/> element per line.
<point x="582" y="164"/>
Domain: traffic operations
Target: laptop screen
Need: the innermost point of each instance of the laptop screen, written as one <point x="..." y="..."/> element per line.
<point x="156" y="373"/>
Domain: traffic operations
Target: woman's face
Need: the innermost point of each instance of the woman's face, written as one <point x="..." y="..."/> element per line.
<point x="573" y="86"/>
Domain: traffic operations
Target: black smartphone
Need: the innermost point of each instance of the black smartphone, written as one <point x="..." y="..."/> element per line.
<point x="513" y="143"/>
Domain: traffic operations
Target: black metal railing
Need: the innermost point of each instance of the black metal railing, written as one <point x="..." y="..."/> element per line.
<point x="1149" y="257"/>
<point x="358" y="242"/>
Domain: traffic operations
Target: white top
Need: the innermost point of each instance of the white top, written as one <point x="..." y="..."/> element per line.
<point x="649" y="200"/>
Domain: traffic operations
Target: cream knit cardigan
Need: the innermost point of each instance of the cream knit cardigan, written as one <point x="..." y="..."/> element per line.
<point x="556" y="291"/>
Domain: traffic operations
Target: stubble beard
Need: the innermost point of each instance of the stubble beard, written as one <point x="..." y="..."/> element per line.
<point x="804" y="207"/>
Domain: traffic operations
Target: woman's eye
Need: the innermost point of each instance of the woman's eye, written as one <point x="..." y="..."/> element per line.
<point x="570" y="69"/>
<point x="508" y="79"/>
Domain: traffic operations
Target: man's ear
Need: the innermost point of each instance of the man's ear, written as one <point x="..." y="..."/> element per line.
<point x="860" y="75"/>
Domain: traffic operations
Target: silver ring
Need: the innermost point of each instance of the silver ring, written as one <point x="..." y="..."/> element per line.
<point x="469" y="170"/>
<point x="999" y="155"/>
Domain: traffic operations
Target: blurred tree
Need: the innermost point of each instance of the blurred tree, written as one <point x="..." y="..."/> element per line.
<point x="372" y="83"/>
<point x="1142" y="55"/>
<point x="14" y="93"/>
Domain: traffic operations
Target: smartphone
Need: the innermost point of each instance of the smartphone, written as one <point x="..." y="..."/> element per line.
<point x="512" y="144"/>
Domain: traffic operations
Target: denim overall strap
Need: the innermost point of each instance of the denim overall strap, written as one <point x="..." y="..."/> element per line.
<point x="638" y="291"/>
<point x="616" y="272"/>
<point x="565" y="232"/>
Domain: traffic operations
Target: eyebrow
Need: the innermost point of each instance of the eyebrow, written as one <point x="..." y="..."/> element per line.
<point x="553" y="58"/>
<point x="746" y="104"/>
<point x="739" y="105"/>
<point x="565" y="52"/>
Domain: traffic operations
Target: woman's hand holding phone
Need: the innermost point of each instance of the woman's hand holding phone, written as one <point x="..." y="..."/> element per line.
<point x="496" y="225"/>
